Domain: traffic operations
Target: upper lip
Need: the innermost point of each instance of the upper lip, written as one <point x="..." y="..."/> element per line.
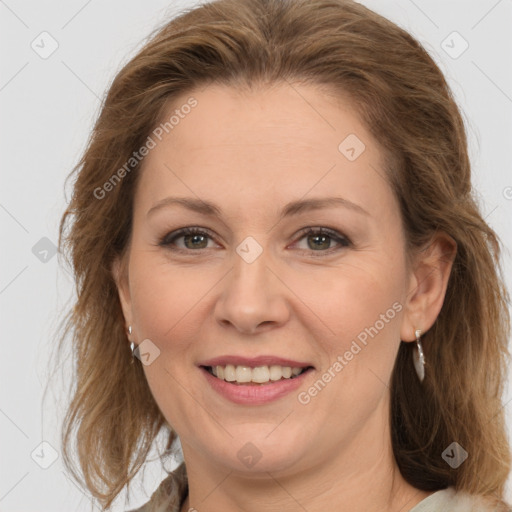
<point x="253" y="361"/>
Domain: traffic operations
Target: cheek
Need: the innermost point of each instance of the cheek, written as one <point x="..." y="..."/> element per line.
<point x="166" y="302"/>
<point x="362" y="309"/>
<point x="355" y="297"/>
<point x="165" y="296"/>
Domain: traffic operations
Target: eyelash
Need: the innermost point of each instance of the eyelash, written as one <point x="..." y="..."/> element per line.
<point x="169" y="239"/>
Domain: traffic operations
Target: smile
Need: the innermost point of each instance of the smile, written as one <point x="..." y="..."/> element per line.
<point x="254" y="381"/>
<point x="245" y="375"/>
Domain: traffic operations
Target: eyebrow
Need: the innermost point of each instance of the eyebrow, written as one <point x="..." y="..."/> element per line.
<point x="293" y="208"/>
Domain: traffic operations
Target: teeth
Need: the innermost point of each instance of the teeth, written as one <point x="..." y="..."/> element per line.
<point x="276" y="372"/>
<point x="259" y="374"/>
<point x="243" y="374"/>
<point x="229" y="373"/>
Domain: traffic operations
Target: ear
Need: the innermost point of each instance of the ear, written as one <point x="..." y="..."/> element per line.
<point x="428" y="281"/>
<point x="120" y="274"/>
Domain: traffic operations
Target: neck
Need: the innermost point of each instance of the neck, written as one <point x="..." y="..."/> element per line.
<point x="361" y="477"/>
<point x="368" y="492"/>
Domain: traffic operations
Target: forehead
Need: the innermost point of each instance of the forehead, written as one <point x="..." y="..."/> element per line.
<point x="270" y="140"/>
<point x="265" y="114"/>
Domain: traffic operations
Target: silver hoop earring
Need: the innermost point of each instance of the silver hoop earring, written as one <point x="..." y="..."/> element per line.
<point x="129" y="329"/>
<point x="418" y="356"/>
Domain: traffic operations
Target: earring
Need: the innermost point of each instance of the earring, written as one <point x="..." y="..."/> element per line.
<point x="132" y="344"/>
<point x="418" y="357"/>
<point x="132" y="349"/>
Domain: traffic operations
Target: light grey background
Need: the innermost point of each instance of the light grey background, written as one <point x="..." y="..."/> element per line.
<point x="48" y="106"/>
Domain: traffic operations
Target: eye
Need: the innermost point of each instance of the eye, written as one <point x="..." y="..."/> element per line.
<point x="321" y="240"/>
<point x="187" y="239"/>
<point x="318" y="240"/>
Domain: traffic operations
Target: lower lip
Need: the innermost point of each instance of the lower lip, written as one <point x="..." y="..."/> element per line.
<point x="257" y="394"/>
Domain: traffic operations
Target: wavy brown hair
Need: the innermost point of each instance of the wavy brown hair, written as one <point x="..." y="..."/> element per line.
<point x="405" y="102"/>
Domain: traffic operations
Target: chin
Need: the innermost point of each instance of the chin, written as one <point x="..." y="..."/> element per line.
<point x="255" y="450"/>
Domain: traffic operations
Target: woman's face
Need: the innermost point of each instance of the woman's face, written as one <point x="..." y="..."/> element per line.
<point x="294" y="261"/>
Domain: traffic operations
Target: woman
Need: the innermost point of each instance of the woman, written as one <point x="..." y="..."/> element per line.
<point x="280" y="263"/>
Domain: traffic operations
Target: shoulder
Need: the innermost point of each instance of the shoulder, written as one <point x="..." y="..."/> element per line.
<point x="457" y="501"/>
<point x="169" y="495"/>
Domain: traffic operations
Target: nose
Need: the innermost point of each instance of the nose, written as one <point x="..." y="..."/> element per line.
<point x="253" y="298"/>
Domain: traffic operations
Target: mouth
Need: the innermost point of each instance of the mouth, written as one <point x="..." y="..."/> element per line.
<point x="254" y="381"/>
<point x="246" y="375"/>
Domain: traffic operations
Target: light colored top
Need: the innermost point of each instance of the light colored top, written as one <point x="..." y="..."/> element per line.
<point x="165" y="499"/>
<point x="448" y="500"/>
